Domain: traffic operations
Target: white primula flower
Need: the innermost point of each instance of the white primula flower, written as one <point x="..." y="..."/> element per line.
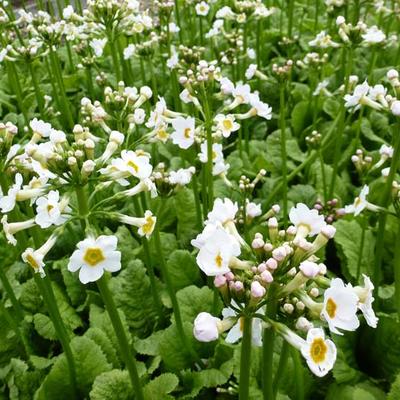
<point x="98" y="46"/>
<point x="129" y="51"/>
<point x="182" y="176"/>
<point x="216" y="255"/>
<point x="40" y="129"/>
<point x="319" y="353"/>
<point x="361" y="97"/>
<point x="340" y="307"/>
<point x="226" y="124"/>
<point x="205" y="327"/>
<point x="93" y="256"/>
<point x="134" y="163"/>
<point x="173" y="61"/>
<point x="308" y="222"/>
<point x="173" y="28"/>
<point x="323" y="41"/>
<point x="361" y="203"/>
<point x="35" y="257"/>
<point x="321" y="87"/>
<point x="7" y="202"/>
<point x="50" y="210"/>
<point x="146" y="224"/>
<point x="216" y="153"/>
<point x="223" y="211"/>
<point x="202" y="8"/>
<point x="11" y="228"/>
<point x="251" y="71"/>
<point x="184" y="132"/>
<point x="253" y="210"/>
<point x="373" y="35"/>
<point x="236" y="332"/>
<point x="365" y="300"/>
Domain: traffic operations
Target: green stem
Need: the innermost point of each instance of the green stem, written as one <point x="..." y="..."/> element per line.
<point x="290" y="17"/>
<point x="396" y="267"/>
<point x="196" y="196"/>
<point x="114" y="55"/>
<point x="268" y="346"/>
<point x="385" y="202"/>
<point x="14" y="81"/>
<point x="281" y="367"/>
<point x="82" y="204"/>
<point x="298" y="372"/>
<point x="50" y="301"/>
<point x="38" y="92"/>
<point x="119" y="329"/>
<point x="245" y="358"/>
<point x="321" y="160"/>
<point x="282" y="126"/>
<point x="361" y="250"/>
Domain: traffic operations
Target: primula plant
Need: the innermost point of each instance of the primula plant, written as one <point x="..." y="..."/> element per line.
<point x="199" y="199"/>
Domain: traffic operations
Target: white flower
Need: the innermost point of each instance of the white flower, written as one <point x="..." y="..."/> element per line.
<point x="40" y="128"/>
<point x="35" y="257"/>
<point x="321" y="87"/>
<point x="129" y="51"/>
<point x="98" y="46"/>
<point x="202" y="8"/>
<point x="361" y="97"/>
<point x="68" y="12"/>
<point x="262" y="109"/>
<point x="216" y="152"/>
<point x="227" y="86"/>
<point x="50" y="210"/>
<point x="146" y="224"/>
<point x="205" y="327"/>
<point x="223" y="211"/>
<point x="236" y="332"/>
<point x="365" y="300"/>
<point x="242" y="94"/>
<point x="253" y="210"/>
<point x="225" y="12"/>
<point x="361" y="203"/>
<point x="11" y="228"/>
<point x="320" y="353"/>
<point x="182" y="176"/>
<point x="323" y="41"/>
<point x="226" y="124"/>
<point x="136" y="164"/>
<point x="184" y="132"/>
<point x="307" y="222"/>
<point x="251" y="71"/>
<point x="340" y="307"/>
<point x="215" y="255"/>
<point x="93" y="256"/>
<point x="173" y="61"/>
<point x="373" y="35"/>
<point x="7" y="202"/>
<point x="173" y="28"/>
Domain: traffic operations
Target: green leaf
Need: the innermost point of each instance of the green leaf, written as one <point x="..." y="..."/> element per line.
<point x="44" y="326"/>
<point x="302" y="194"/>
<point x="132" y="294"/>
<point x="348" y="239"/>
<point x="362" y="391"/>
<point x="186" y="215"/>
<point x="300" y="116"/>
<point x="331" y="107"/>
<point x="90" y="362"/>
<point x="183" y="269"/>
<point x="159" y="387"/>
<point x="394" y="393"/>
<point x="112" y="385"/>
<point x="193" y="300"/>
<point x="168" y="244"/>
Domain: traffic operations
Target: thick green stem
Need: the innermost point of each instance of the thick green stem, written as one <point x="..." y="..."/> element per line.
<point x="50" y="301"/>
<point x="245" y="357"/>
<point x="114" y="55"/>
<point x="282" y="127"/>
<point x="268" y="346"/>
<point x="298" y="372"/>
<point x="396" y="267"/>
<point x="361" y="249"/>
<point x="125" y="347"/>
<point x="82" y="204"/>
<point x="38" y="92"/>
<point x="281" y="367"/>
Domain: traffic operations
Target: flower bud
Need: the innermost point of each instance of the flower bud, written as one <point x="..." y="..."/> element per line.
<point x="257" y="291"/>
<point x="205" y="327"/>
<point x="309" y="269"/>
<point x="266" y="277"/>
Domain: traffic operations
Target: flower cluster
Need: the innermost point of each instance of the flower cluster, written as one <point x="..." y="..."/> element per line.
<point x="281" y="267"/>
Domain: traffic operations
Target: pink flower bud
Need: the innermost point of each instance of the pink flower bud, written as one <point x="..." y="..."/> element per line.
<point x="271" y="263"/>
<point x="262" y="267"/>
<point x="219" y="281"/>
<point x="205" y="327"/>
<point x="279" y="253"/>
<point x="309" y="269"/>
<point x="267" y="277"/>
<point x="257" y="291"/>
<point x="229" y="276"/>
<point x="328" y="231"/>
<point x="238" y="286"/>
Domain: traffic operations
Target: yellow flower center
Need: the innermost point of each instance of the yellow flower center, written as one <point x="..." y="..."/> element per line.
<point x="357" y="201"/>
<point x="241" y="324"/>
<point x="218" y="260"/>
<point x="93" y="256"/>
<point x="318" y="350"/>
<point x="49" y="207"/>
<point x="133" y="165"/>
<point x="32" y="262"/>
<point x="162" y="134"/>
<point x="214" y="155"/>
<point x="227" y="124"/>
<point x="147" y="228"/>
<point x="331" y="308"/>
<point x="187" y="133"/>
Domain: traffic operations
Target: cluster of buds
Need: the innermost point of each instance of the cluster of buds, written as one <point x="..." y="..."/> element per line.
<point x="280" y="265"/>
<point x="313" y="59"/>
<point x="330" y="209"/>
<point x="314" y="139"/>
<point x="283" y="71"/>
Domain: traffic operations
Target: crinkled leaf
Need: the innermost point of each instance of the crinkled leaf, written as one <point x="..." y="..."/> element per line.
<point x="183" y="269"/>
<point x="160" y="387"/>
<point x="112" y="385"/>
